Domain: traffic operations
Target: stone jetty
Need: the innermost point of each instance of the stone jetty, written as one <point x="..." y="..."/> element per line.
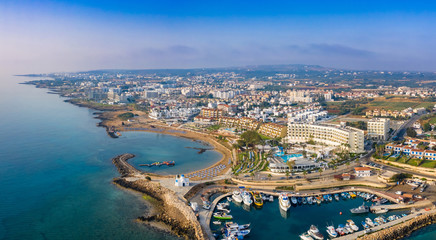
<point x="401" y="230"/>
<point x="171" y="209"/>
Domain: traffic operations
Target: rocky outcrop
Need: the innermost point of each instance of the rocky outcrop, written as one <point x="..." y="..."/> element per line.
<point x="123" y="167"/>
<point x="403" y="229"/>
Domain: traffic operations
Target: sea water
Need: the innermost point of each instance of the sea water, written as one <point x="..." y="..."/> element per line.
<point x="56" y="169"/>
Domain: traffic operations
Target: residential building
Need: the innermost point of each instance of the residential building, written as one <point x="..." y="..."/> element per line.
<point x="211" y="113"/>
<point x="362" y="171"/>
<point x="273" y="130"/>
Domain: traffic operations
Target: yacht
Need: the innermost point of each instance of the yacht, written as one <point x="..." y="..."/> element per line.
<point x="237" y="196"/>
<point x="314" y="232"/>
<point x="381" y="211"/>
<point x="284" y="202"/>
<point x="331" y="231"/>
<point x="352" y="225"/>
<point x="246" y="198"/>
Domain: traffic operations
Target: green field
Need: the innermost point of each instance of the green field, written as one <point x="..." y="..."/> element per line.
<point x="428" y="164"/>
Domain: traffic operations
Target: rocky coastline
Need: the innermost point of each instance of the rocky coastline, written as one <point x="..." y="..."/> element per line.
<point x="171" y="210"/>
<point x="402" y="230"/>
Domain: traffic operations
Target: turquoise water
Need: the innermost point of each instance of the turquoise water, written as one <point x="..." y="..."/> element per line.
<point x="287" y="157"/>
<point x="56" y="170"/>
<point x="270" y="221"/>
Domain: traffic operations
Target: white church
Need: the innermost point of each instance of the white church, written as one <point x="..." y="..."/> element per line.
<point x="181" y="181"/>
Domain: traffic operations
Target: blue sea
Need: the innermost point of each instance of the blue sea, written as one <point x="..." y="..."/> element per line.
<point x="56" y="173"/>
<point x="56" y="169"/>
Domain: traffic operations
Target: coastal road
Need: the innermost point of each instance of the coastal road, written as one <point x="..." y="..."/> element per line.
<point x="402" y="130"/>
<point x="400" y="170"/>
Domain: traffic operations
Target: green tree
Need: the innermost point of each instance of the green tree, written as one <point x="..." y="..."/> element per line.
<point x="269" y="176"/>
<point x="305" y="173"/>
<point x="427" y="127"/>
<point x="411" y="132"/>
<point x="287" y="174"/>
<point x="320" y="171"/>
<point x="250" y="138"/>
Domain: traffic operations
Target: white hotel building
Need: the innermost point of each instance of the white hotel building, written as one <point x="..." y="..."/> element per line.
<point x="378" y="128"/>
<point x="329" y="134"/>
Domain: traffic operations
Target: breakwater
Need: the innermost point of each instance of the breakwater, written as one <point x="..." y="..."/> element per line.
<point x="404" y="229"/>
<point x="172" y="210"/>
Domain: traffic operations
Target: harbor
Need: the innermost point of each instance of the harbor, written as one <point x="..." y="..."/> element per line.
<point x="333" y="211"/>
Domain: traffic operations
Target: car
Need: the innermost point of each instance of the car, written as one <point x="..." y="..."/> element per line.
<point x="298" y="177"/>
<point x="282" y="178"/>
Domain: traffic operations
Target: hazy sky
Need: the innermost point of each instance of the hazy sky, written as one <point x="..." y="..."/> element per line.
<point x="49" y="36"/>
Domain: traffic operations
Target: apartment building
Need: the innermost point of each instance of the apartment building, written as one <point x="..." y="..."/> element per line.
<point x="378" y="129"/>
<point x="272" y="130"/>
<point x="411" y="151"/>
<point x="327" y="134"/>
<point x="241" y="123"/>
<point x="211" y="113"/>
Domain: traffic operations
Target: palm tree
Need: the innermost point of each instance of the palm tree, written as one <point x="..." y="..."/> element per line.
<point x="290" y="164"/>
<point x="320" y="171"/>
<point x="305" y="173"/>
<point x="335" y="167"/>
<point x="269" y="176"/>
<point x="287" y="174"/>
<point x="252" y="175"/>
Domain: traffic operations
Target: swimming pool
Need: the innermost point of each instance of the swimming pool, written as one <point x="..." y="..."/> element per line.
<point x="287" y="157"/>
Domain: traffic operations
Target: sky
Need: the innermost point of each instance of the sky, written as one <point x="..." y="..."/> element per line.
<point x="43" y="36"/>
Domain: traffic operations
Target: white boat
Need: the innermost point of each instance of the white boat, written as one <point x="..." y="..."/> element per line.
<point x="314" y="232"/>
<point x="305" y="236"/>
<point x="381" y="211"/>
<point x="217" y="222"/>
<point x="237" y="196"/>
<point x="348" y="228"/>
<point x="246" y="198"/>
<point x="309" y="200"/>
<point x="294" y="200"/>
<point x="271" y="198"/>
<point x="352" y="225"/>
<point x="369" y="222"/>
<point x="232" y="225"/>
<point x="331" y="231"/>
<point x="284" y="202"/>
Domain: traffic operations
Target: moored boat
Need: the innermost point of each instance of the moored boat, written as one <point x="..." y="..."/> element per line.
<point x="360" y="209"/>
<point x="222" y="216"/>
<point x="246" y="198"/>
<point x="380" y="211"/>
<point x="236" y="196"/>
<point x="257" y="199"/>
<point x="305" y="236"/>
<point x="331" y="231"/>
<point x="337" y="197"/>
<point x="369" y="222"/>
<point x="352" y="225"/>
<point x="284" y="202"/>
<point x="294" y="200"/>
<point x="314" y="232"/>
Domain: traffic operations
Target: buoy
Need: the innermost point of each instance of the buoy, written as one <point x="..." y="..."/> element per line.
<point x="340" y="213"/>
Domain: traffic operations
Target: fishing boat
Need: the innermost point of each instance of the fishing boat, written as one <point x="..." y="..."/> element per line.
<point x="352" y="225"/>
<point x="246" y="198"/>
<point x="331" y="231"/>
<point x="304" y="200"/>
<point x="284" y="202"/>
<point x="340" y="230"/>
<point x="329" y="197"/>
<point x="217" y="222"/>
<point x="365" y="225"/>
<point x="305" y="236"/>
<point x="222" y="216"/>
<point x="337" y="197"/>
<point x="271" y="198"/>
<point x="344" y="229"/>
<point x="314" y="232"/>
<point x="294" y="200"/>
<point x="360" y="209"/>
<point x="352" y="194"/>
<point x="257" y="199"/>
<point x="348" y="228"/>
<point x="236" y="196"/>
<point x="369" y="222"/>
<point x="343" y="195"/>
<point x="233" y="225"/>
<point x="299" y="200"/>
<point x="318" y="200"/>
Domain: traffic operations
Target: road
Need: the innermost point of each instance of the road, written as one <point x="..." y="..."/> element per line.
<point x="402" y="130"/>
<point x="400" y="170"/>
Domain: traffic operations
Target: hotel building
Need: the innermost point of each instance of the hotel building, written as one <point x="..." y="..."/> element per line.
<point x="378" y="129"/>
<point x="327" y="134"/>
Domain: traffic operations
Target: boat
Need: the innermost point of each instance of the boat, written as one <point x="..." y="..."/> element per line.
<point x="331" y="231"/>
<point x="381" y="211"/>
<point x="206" y="206"/>
<point x="352" y="225"/>
<point x="369" y="222"/>
<point x="229" y="199"/>
<point x="257" y="199"/>
<point x="305" y="236"/>
<point x="329" y="197"/>
<point x="223" y="204"/>
<point x="348" y="228"/>
<point x="365" y="226"/>
<point x="271" y="198"/>
<point x="232" y="225"/>
<point x="236" y="196"/>
<point x="340" y="230"/>
<point x="222" y="216"/>
<point x="360" y="209"/>
<point x="337" y="197"/>
<point x="314" y="232"/>
<point x="222" y="209"/>
<point x="299" y="200"/>
<point x="384" y="200"/>
<point x="246" y="198"/>
<point x="404" y="215"/>
<point x="284" y="202"/>
<point x="294" y="200"/>
<point x="318" y="200"/>
<point x="216" y="222"/>
<point x="304" y="200"/>
<point x="352" y="195"/>
<point x="309" y="200"/>
<point x="343" y="195"/>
